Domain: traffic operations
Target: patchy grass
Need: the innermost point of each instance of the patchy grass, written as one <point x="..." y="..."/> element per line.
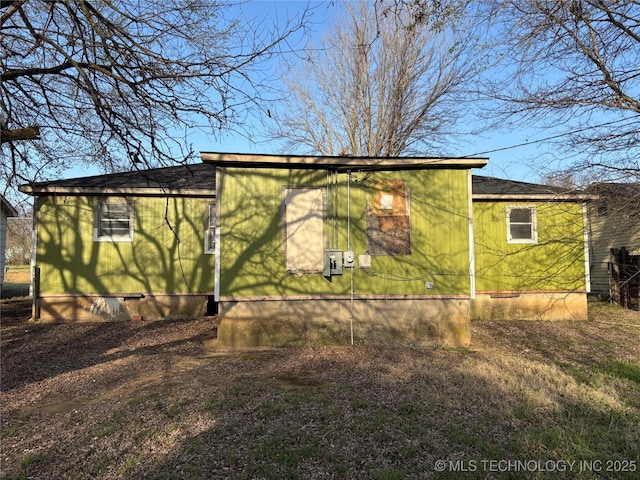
<point x="161" y="401"/>
<point x="16" y="283"/>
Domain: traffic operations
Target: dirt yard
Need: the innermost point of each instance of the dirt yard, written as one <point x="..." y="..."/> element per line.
<point x="163" y="400"/>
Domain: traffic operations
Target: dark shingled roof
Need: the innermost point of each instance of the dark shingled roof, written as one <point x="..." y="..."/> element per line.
<point x="7" y="207"/>
<point x="200" y="176"/>
<point x="619" y="196"/>
<point x="497" y="186"/>
<point x="629" y="189"/>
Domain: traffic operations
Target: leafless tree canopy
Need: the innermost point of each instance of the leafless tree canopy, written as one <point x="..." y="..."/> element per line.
<point x="387" y="82"/>
<point x="575" y="63"/>
<point x="121" y="82"/>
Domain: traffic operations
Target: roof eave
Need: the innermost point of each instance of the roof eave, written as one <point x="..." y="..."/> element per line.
<point x="535" y="197"/>
<point x="338" y="163"/>
<point x="96" y="191"/>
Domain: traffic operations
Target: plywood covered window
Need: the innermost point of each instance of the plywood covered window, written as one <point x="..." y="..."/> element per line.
<point x="113" y="221"/>
<point x="303" y="219"/>
<point x="521" y="225"/>
<point x="388" y="218"/>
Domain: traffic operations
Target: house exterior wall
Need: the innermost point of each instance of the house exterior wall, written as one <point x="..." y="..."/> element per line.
<point x="162" y="273"/>
<point x="610" y="228"/>
<point x="541" y="280"/>
<point x="3" y="239"/>
<point x="253" y="262"/>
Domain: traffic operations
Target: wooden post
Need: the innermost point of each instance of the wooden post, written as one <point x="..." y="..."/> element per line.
<point x="36" y="291"/>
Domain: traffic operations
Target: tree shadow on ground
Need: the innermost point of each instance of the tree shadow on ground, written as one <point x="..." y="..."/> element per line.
<point x="34" y="352"/>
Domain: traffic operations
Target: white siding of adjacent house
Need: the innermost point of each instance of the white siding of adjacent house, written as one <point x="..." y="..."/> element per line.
<point x="6" y="210"/>
<point x="3" y="237"/>
<point x="615" y="229"/>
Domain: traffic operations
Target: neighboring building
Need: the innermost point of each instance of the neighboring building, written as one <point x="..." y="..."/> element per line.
<point x="614" y="223"/>
<point x="6" y="210"/>
<point x="531" y="251"/>
<point x="125" y="245"/>
<point x="292" y="250"/>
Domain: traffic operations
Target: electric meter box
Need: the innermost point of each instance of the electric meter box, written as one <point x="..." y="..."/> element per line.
<point x="333" y="262"/>
<point x="349" y="259"/>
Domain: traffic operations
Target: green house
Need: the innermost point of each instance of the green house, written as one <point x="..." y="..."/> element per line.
<point x="531" y="251"/>
<point x="343" y="249"/>
<point x="125" y="246"/>
<point x="292" y="250"/>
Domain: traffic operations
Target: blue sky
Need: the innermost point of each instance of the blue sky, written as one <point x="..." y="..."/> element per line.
<point x="504" y="161"/>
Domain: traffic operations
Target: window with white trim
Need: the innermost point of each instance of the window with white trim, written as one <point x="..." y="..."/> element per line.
<point x="210" y="231"/>
<point x="521" y="225"/>
<point x="113" y="221"/>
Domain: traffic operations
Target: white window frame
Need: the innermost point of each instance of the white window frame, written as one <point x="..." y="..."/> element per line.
<point x="210" y="230"/>
<point x="534" y="228"/>
<point x="98" y="215"/>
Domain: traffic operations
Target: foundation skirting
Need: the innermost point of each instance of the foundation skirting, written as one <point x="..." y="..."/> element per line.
<point x="529" y="306"/>
<point x="280" y="323"/>
<point x="122" y="307"/>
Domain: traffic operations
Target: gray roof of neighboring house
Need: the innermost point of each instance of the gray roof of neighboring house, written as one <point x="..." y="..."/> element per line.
<point x="622" y="196"/>
<point x="179" y="180"/>
<point x="616" y="188"/>
<point x="7" y="208"/>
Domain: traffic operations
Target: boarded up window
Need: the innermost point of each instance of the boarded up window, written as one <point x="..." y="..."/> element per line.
<point x="388" y="219"/>
<point x="303" y="223"/>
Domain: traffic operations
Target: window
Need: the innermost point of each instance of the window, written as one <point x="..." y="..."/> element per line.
<point x="210" y="231"/>
<point x="521" y="225"/>
<point x="302" y="229"/>
<point x="603" y="208"/>
<point x="113" y="221"/>
<point x="388" y="218"/>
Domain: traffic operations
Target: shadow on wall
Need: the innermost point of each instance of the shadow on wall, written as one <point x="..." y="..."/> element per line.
<point x="109" y="280"/>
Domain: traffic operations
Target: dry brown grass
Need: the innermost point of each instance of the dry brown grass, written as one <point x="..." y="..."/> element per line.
<point x="163" y="400"/>
<point x="17" y="275"/>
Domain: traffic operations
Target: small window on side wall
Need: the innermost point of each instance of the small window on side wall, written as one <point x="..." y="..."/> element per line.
<point x="210" y="231"/>
<point x="521" y="225"/>
<point x="113" y="221"/>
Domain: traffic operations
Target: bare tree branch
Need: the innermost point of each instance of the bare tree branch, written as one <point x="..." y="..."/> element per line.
<point x="120" y="83"/>
<point x="29" y="133"/>
<point x="573" y="63"/>
<point x="387" y="82"/>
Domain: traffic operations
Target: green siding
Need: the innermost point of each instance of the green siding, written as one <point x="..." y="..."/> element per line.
<point x="555" y="263"/>
<point x="166" y="255"/>
<point x="252" y="261"/>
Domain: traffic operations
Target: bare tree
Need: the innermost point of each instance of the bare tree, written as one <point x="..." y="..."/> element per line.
<point x="19" y="239"/>
<point x="120" y="83"/>
<point x="387" y="81"/>
<point x="574" y="64"/>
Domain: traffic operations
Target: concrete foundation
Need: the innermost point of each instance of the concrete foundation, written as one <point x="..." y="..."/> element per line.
<point x="390" y="321"/>
<point x="95" y="308"/>
<point x="529" y="306"/>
